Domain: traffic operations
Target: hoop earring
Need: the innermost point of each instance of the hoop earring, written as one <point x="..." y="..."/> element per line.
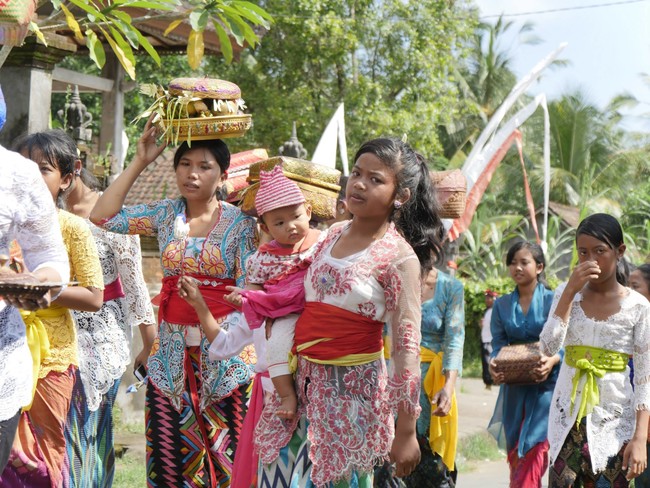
<point x="397" y="204"/>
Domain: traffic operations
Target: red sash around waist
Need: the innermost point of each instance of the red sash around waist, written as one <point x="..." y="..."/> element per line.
<point x="176" y="310"/>
<point x="113" y="290"/>
<point x="327" y="332"/>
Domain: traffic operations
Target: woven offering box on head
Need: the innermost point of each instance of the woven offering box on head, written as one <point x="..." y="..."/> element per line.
<point x="517" y="362"/>
<point x="197" y="109"/>
<point x="451" y="186"/>
<point x="319" y="184"/>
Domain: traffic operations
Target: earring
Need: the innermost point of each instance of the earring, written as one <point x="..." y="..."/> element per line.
<point x="77" y="172"/>
<point x="341" y="211"/>
<point x="397" y="204"/>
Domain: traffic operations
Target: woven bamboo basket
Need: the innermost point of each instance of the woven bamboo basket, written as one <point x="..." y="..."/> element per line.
<point x="517" y="362"/>
<point x="203" y="128"/>
<point x="451" y="186"/>
<point x="318" y="183"/>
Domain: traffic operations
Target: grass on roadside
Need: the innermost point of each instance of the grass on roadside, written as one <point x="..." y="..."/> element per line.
<point x="476" y="448"/>
<point x="130" y="472"/>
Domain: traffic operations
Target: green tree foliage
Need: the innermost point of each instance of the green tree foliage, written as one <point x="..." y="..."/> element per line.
<point x="389" y="61"/>
<point x="116" y="22"/>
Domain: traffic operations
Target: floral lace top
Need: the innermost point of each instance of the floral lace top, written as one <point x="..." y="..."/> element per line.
<point x="222" y="254"/>
<point x="104" y="337"/>
<point x="28" y="215"/>
<point x="351" y="409"/>
<point x="613" y="421"/>
<point x="87" y="272"/>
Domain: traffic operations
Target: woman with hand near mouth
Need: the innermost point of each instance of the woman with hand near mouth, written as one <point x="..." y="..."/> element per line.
<point x="521" y="412"/>
<point x="194" y="405"/>
<point x="598" y="425"/>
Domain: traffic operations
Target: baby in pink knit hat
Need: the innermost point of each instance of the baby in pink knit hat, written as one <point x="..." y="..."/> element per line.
<point x="274" y="276"/>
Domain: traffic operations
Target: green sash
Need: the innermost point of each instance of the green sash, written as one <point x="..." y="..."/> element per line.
<point x="591" y="362"/>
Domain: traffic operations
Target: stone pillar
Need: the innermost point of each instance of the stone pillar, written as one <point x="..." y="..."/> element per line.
<point x="26" y="80"/>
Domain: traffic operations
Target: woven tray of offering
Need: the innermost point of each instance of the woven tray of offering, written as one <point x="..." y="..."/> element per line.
<point x="23" y="286"/>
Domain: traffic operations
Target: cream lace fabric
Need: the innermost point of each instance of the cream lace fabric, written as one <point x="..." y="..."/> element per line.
<point x="105" y="336"/>
<point x="27" y="214"/>
<point x="612" y="423"/>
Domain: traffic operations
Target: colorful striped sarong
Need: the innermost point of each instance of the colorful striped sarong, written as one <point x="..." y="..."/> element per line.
<point x="292" y="468"/>
<point x="177" y="454"/>
<point x="90" y="454"/>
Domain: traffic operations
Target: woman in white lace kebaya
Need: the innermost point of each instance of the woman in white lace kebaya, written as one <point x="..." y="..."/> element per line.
<point x="598" y="424"/>
<point x="364" y="274"/>
<point x="28" y="215"/>
<point x="104" y="339"/>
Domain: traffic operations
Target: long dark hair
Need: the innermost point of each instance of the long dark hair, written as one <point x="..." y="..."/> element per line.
<point x="54" y="145"/>
<point x="419" y="218"/>
<point x="606" y="229"/>
<point x="536" y="252"/>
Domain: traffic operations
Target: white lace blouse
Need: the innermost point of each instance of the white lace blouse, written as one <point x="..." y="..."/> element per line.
<point x="612" y="422"/>
<point x="105" y="336"/>
<point x="27" y="214"/>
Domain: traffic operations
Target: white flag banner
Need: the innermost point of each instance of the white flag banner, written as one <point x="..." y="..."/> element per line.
<point x="332" y="138"/>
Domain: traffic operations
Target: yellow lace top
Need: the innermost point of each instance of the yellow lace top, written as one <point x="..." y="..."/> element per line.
<point x="84" y="269"/>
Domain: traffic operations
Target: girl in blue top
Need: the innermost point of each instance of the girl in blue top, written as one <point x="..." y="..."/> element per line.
<point x="522" y="411"/>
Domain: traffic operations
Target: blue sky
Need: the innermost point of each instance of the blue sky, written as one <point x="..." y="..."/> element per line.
<point x="609" y="46"/>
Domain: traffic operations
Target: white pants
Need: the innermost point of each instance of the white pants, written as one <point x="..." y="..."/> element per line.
<point x="279" y="345"/>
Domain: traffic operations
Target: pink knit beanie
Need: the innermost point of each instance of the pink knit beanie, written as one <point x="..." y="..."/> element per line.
<point x="276" y="191"/>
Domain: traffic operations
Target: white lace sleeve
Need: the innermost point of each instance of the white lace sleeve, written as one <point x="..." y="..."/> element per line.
<point x="129" y="267"/>
<point x="36" y="223"/>
<point x="642" y="359"/>
<point x="231" y="340"/>
<point x="554" y="331"/>
<point x="402" y="291"/>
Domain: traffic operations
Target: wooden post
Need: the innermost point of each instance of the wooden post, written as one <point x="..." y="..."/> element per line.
<point x="112" y="123"/>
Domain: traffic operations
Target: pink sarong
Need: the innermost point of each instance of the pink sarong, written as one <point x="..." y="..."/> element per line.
<point x="244" y="473"/>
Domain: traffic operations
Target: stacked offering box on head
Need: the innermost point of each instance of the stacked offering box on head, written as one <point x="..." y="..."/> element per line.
<point x="318" y="183"/>
<point x="198" y="109"/>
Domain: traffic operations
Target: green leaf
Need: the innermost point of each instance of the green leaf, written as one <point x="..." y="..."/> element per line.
<point x="123" y="16"/>
<point x="95" y="48"/>
<point x="255" y="8"/>
<point x="124" y="56"/>
<point x="224" y="42"/>
<point x="85" y="6"/>
<point x="239" y="39"/>
<point x="173" y="26"/>
<point x="129" y="32"/>
<point x="239" y="25"/>
<point x="250" y="15"/>
<point x="72" y="23"/>
<point x="199" y="19"/>
<point x="195" y="49"/>
<point x="152" y="5"/>
<point x="56" y="4"/>
<point x="148" y="47"/>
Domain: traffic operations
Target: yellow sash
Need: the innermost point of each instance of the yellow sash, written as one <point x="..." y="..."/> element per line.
<point x="591" y="362"/>
<point x="443" y="431"/>
<point x="37" y="340"/>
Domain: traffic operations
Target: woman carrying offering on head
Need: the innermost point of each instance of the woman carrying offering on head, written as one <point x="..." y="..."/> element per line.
<point x="598" y="424"/>
<point x="194" y="405"/>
